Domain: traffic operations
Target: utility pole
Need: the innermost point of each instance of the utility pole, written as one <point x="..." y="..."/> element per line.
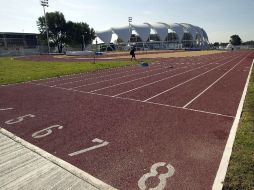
<point x="45" y="3"/>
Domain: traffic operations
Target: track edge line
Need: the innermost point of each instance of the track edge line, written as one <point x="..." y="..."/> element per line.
<point x="221" y="173"/>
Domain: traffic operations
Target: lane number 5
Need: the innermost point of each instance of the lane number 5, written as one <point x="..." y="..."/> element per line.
<point x="18" y="119"/>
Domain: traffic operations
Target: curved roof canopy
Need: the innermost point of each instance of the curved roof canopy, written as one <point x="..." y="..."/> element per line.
<point x="205" y="34"/>
<point x="160" y="29"/>
<point x="143" y="31"/>
<point x="105" y="36"/>
<point x="179" y="30"/>
<point x="190" y="29"/>
<point x="123" y="33"/>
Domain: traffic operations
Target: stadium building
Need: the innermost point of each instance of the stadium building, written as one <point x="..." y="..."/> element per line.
<point x="157" y="36"/>
<point x="12" y="43"/>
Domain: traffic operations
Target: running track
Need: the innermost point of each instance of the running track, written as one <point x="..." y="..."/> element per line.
<point x="135" y="127"/>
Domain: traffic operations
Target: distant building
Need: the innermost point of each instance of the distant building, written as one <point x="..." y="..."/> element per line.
<point x="158" y="36"/>
<point x="18" y="40"/>
<point x="12" y="43"/>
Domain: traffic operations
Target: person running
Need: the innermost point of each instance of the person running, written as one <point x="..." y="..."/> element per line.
<point x="132" y="53"/>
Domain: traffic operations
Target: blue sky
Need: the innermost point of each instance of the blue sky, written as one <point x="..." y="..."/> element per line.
<point x="220" y="18"/>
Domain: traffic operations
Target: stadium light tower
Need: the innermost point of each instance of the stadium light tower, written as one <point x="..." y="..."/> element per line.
<point x="130" y="20"/>
<point x="45" y="3"/>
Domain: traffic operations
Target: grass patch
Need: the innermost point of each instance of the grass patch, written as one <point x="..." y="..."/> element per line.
<point x="16" y="71"/>
<point x="240" y="174"/>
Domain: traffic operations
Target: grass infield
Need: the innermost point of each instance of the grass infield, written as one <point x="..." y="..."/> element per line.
<point x="240" y="174"/>
<point x="16" y="71"/>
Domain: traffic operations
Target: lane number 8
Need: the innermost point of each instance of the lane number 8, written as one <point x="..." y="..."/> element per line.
<point x="153" y="173"/>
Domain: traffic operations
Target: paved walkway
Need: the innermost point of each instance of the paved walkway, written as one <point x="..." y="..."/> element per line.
<point x="22" y="168"/>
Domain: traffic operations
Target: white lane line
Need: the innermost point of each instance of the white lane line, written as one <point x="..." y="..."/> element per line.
<point x="85" y="74"/>
<point x="63" y="164"/>
<point x="106" y="73"/>
<point x="180" y="84"/>
<point x="214" y="83"/>
<point x="156" y="81"/>
<point x="91" y="78"/>
<point x="135" y="100"/>
<point x="4" y="109"/>
<point x="137" y="79"/>
<point x="161" y="80"/>
<point x="115" y="78"/>
<point x="164" y="105"/>
<point x="221" y="173"/>
<point x="126" y="81"/>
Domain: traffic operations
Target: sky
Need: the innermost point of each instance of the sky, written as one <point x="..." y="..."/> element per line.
<point x="219" y="18"/>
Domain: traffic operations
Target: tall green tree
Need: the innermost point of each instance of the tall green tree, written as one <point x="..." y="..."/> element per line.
<point x="56" y="27"/>
<point x="235" y="40"/>
<point x="62" y="33"/>
<point x="79" y="33"/>
<point x="216" y="44"/>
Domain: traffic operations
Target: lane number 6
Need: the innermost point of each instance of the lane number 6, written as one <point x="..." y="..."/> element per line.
<point x="45" y="132"/>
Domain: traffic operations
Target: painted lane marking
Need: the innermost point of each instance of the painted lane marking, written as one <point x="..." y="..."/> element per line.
<point x="18" y="119"/>
<point x="73" y="76"/>
<point x="180" y="84"/>
<point x="194" y="110"/>
<point x="201" y="93"/>
<point x="45" y="132"/>
<point x="106" y="76"/>
<point x="122" y="77"/>
<point x="135" y="100"/>
<point x="5" y="109"/>
<point x="155" y="82"/>
<point x="96" y="140"/>
<point x="124" y="72"/>
<point x="128" y="81"/>
<point x="88" y="74"/>
<point x="153" y="173"/>
<point x="160" y="80"/>
<point x="137" y="79"/>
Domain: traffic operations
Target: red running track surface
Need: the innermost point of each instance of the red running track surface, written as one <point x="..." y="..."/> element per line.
<point x="124" y="136"/>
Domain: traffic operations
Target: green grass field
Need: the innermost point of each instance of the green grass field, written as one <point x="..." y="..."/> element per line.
<point x="240" y="175"/>
<point x="16" y="71"/>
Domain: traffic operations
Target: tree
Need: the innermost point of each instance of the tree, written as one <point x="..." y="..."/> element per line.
<point x="248" y="43"/>
<point x="62" y="33"/>
<point x="216" y="44"/>
<point x="79" y="33"/>
<point x="56" y="28"/>
<point x="235" y="40"/>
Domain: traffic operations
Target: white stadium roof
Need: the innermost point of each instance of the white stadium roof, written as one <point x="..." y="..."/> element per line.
<point x="123" y="33"/>
<point x="105" y="36"/>
<point x="162" y="30"/>
<point x="143" y="30"/>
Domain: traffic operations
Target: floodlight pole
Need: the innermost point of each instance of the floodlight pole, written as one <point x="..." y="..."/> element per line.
<point x="44" y="3"/>
<point x="130" y="20"/>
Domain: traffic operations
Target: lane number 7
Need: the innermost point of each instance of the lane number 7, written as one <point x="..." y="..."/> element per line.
<point x="102" y="143"/>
